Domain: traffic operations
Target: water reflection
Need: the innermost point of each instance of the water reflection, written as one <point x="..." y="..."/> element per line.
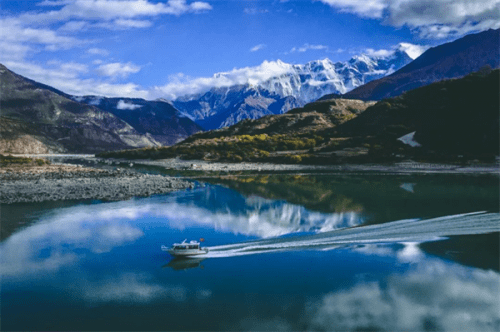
<point x="128" y="287"/>
<point x="181" y="264"/>
<point x="379" y="196"/>
<point x="433" y="295"/>
<point x="100" y="267"/>
<point x="46" y="246"/>
<point x="59" y="237"/>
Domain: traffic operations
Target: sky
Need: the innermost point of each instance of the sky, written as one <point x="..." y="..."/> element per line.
<point x="164" y="49"/>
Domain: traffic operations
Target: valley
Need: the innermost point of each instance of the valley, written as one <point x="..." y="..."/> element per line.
<point x="338" y="131"/>
<point x="327" y="165"/>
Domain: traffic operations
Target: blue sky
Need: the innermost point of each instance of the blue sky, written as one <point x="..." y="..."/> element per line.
<point x="144" y="48"/>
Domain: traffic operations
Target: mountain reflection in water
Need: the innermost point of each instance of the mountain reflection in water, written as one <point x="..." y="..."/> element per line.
<point x="99" y="266"/>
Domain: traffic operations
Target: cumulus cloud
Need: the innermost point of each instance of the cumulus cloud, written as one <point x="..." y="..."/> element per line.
<point x="128" y="23"/>
<point x="109" y="10"/>
<point x="70" y="82"/>
<point x="56" y="26"/>
<point x="122" y="105"/>
<point x="432" y="19"/>
<point x="180" y="84"/>
<point x="117" y="69"/>
<point x="257" y="47"/>
<point x="363" y="8"/>
<point x="13" y="31"/>
<point x="13" y="50"/>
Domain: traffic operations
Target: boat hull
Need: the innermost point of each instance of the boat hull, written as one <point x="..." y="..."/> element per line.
<point x="187" y="252"/>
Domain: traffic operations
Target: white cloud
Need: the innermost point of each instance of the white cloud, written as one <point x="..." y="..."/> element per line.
<point x="122" y="105"/>
<point x="128" y="23"/>
<point x="73" y="26"/>
<point x="180" y="84"/>
<point x="14" y="32"/>
<point x="11" y="50"/>
<point x="413" y="51"/>
<point x="257" y="47"/>
<point x="199" y="6"/>
<point x="69" y="81"/>
<point x="33" y="32"/>
<point x="117" y="69"/>
<point x="435" y="19"/>
<point x="363" y="8"/>
<point x="97" y="51"/>
<point x="109" y="10"/>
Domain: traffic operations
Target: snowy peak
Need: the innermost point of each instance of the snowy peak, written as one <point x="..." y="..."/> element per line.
<point x="279" y="86"/>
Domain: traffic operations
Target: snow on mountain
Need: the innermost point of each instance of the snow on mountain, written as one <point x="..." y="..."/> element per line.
<point x="275" y="87"/>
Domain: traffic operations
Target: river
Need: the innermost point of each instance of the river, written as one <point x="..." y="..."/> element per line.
<point x="287" y="252"/>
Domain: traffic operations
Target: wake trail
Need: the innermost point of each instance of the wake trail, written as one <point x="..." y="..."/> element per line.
<point x="408" y="230"/>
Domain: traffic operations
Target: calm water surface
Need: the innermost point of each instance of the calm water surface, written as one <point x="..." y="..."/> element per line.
<point x="98" y="265"/>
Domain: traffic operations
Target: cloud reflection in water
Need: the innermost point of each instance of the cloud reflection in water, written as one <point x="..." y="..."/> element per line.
<point x="434" y="295"/>
<point x="129" y="287"/>
<point x="101" y="227"/>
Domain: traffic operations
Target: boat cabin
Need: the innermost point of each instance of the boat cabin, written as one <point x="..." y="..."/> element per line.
<point x="185" y="246"/>
<point x="186" y="249"/>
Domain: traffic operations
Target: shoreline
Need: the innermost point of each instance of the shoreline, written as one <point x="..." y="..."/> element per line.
<point x="64" y="181"/>
<point x="405" y="167"/>
<point x="75" y="182"/>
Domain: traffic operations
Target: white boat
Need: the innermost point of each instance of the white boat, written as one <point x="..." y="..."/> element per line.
<point x="185" y="249"/>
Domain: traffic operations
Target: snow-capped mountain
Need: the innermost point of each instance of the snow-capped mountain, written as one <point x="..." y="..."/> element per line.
<point x="291" y="86"/>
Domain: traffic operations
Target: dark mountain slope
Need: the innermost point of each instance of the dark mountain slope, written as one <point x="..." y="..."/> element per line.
<point x="459" y="116"/>
<point x="157" y="118"/>
<point x="450" y="60"/>
<point x="49" y="122"/>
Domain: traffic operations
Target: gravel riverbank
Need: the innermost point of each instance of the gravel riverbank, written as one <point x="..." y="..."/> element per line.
<point x="68" y="182"/>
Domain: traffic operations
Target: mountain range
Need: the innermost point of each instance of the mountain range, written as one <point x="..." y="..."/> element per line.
<point x="36" y="118"/>
<point x="295" y="86"/>
<point x="156" y="118"/>
<point x="450" y="120"/>
<point x="451" y="60"/>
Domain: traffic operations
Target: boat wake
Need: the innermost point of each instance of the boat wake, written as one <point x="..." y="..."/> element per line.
<point x="410" y="230"/>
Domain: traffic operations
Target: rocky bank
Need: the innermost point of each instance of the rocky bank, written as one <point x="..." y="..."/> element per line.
<point x="68" y="182"/>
